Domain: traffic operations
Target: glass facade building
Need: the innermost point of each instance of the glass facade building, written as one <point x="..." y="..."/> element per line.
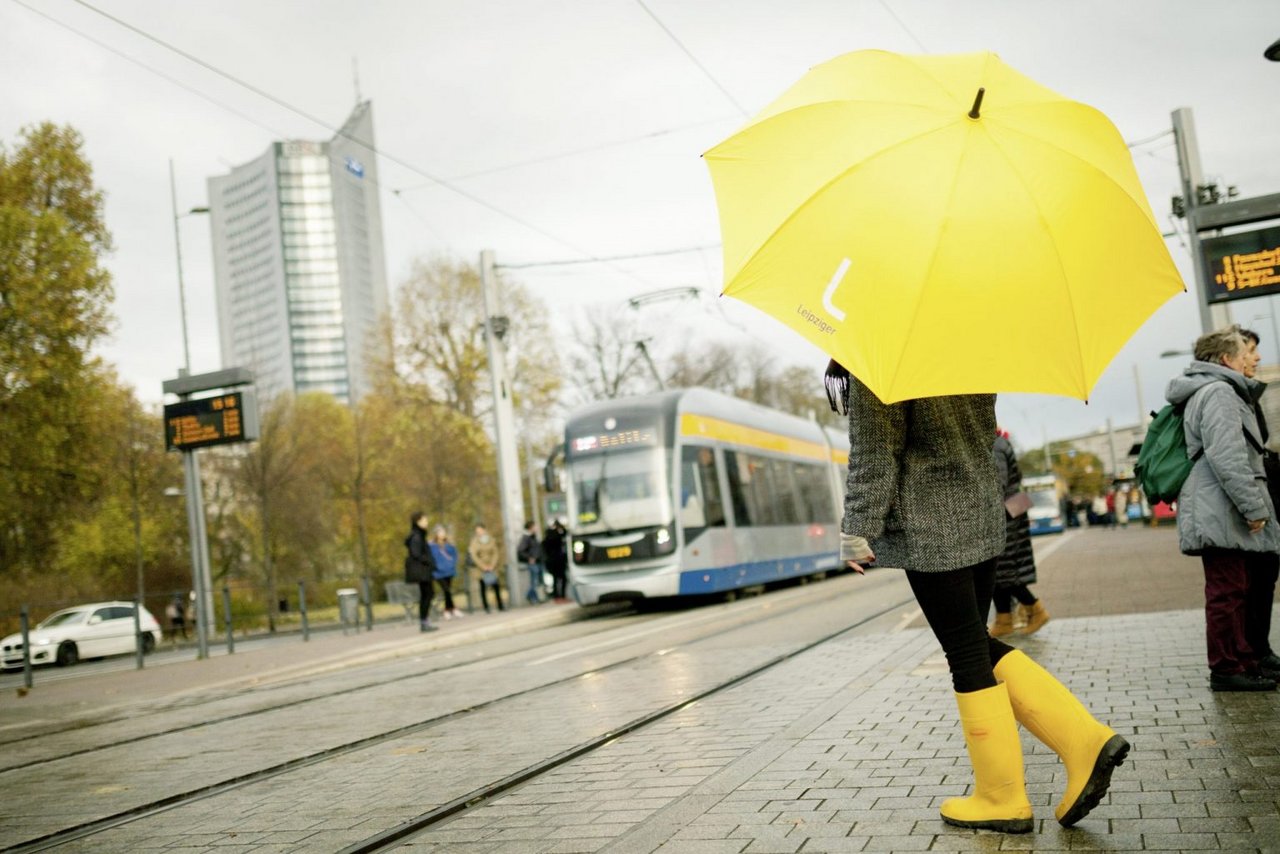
<point x="298" y="262"/>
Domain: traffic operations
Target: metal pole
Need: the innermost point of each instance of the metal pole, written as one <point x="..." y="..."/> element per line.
<point x="195" y="509"/>
<point x="1111" y="440"/>
<point x="1184" y="134"/>
<point x="26" y="647"/>
<point x="504" y="429"/>
<point x="177" y="246"/>
<point x="302" y="609"/>
<point x="226" y="610"/>
<point x="368" y="602"/>
<point x="206" y="576"/>
<point x="137" y="631"/>
<point x="530" y="468"/>
<point x="1142" y="409"/>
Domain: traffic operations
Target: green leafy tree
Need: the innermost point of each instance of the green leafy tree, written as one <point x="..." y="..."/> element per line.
<point x="54" y="305"/>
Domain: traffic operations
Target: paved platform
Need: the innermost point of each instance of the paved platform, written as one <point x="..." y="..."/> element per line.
<point x="852" y="747"/>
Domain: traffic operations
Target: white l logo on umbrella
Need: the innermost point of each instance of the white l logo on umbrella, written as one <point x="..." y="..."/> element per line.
<point x="831" y="290"/>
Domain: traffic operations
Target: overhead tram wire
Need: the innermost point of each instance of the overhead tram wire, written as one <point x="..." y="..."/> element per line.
<point x="274" y="131"/>
<point x="693" y="59"/>
<point x="175" y="81"/>
<point x="533" y="161"/>
<point x="338" y="131"/>
<point x="576" y="261"/>
<point x="904" y="26"/>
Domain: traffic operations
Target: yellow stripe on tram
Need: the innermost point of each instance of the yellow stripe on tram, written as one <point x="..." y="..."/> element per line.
<point x="706" y="427"/>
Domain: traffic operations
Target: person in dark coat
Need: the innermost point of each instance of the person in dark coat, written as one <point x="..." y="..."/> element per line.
<point x="1016" y="565"/>
<point x="922" y="494"/>
<point x="554" y="551"/>
<point x="1262" y="581"/>
<point x="419" y="567"/>
<point x="529" y="552"/>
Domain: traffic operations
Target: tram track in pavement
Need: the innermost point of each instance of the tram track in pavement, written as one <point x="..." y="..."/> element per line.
<point x="735" y="621"/>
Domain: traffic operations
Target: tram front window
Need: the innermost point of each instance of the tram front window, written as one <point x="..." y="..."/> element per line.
<point x="621" y="490"/>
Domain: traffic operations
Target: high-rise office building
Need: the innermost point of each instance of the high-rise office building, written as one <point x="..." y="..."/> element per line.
<point x="298" y="262"/>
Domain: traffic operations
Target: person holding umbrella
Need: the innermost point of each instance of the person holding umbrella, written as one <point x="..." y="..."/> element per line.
<point x="923" y="494"/>
<point x="947" y="229"/>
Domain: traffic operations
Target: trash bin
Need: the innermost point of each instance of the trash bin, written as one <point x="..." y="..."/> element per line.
<point x="349" y="607"/>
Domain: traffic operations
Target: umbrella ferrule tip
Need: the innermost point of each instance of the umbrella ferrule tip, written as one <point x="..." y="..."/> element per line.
<point x="977" y="103"/>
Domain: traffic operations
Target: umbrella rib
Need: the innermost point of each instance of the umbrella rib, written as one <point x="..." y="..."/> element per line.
<point x="1076" y="157"/>
<point x="933" y="260"/>
<point x="1075" y="322"/>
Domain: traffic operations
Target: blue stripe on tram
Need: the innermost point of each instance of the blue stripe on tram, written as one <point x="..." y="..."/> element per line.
<point x="715" y="580"/>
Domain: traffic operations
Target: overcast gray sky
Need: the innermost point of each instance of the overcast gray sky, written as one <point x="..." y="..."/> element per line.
<point x="573" y="129"/>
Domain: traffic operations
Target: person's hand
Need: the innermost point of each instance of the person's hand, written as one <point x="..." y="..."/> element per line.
<point x="1256" y="525"/>
<point x="858" y="567"/>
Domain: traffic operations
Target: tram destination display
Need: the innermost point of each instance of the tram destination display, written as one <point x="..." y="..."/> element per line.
<point x="1243" y="265"/>
<point x="219" y="420"/>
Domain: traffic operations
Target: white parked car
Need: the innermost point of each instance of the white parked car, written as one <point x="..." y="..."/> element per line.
<point x="85" y="631"/>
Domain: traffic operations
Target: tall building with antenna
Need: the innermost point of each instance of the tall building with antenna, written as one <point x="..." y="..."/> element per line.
<point x="299" y="268"/>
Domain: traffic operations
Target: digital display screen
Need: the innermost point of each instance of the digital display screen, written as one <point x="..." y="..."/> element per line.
<point x="644" y="437"/>
<point x="208" y="421"/>
<point x="1243" y="265"/>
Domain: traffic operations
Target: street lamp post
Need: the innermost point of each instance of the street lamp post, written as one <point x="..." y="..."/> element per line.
<point x="200" y="575"/>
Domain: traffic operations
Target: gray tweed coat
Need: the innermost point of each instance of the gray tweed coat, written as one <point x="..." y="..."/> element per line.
<point x="922" y="485"/>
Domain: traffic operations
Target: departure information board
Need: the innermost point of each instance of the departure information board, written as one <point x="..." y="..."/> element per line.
<point x="1243" y="265"/>
<point x="209" y="421"/>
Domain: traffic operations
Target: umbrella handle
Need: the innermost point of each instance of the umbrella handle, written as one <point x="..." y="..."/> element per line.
<point x="977" y="103"/>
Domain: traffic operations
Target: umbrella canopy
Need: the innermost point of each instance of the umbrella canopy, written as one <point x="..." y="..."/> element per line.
<point x="941" y="225"/>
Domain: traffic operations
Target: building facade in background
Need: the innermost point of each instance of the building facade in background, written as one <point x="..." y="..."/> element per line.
<point x="299" y="267"/>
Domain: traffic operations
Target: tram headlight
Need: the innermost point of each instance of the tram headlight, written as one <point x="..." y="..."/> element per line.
<point x="579" y="548"/>
<point x="662" y="537"/>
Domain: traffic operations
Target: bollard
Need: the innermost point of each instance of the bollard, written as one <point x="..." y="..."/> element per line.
<point x="349" y="608"/>
<point x="226" y="609"/>
<point x="137" y="631"/>
<point x="302" y="610"/>
<point x="26" y="648"/>
<point x="368" y="604"/>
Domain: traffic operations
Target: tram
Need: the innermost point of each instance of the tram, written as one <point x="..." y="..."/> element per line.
<point x="693" y="492"/>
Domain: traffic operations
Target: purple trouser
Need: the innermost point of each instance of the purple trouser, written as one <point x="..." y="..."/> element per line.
<point x="1226" y="585"/>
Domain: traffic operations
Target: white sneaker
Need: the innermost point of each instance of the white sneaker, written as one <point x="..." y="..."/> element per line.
<point x="458" y="614"/>
<point x="448" y="615"/>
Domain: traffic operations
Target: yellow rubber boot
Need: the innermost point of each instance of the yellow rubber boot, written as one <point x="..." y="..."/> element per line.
<point x="1002" y="626"/>
<point x="1036" y="616"/>
<point x="999" y="799"/>
<point x="1090" y="750"/>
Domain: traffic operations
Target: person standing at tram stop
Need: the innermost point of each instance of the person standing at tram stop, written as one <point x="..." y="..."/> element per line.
<point x="555" y="552"/>
<point x="1262" y="583"/>
<point x="1016" y="565"/>
<point x="1224" y="510"/>
<point x="923" y="494"/>
<point x="529" y="552"/>
<point x="483" y="551"/>
<point x="445" y="555"/>
<point x="419" y="567"/>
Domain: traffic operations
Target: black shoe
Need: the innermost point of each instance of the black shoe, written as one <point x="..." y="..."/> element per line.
<point x="427" y="627"/>
<point x="1240" y="682"/>
<point x="1269" y="664"/>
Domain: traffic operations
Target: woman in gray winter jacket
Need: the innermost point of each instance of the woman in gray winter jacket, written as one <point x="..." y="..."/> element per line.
<point x="1224" y="512"/>
<point x="923" y="495"/>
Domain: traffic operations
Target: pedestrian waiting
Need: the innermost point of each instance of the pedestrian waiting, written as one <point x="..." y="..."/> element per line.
<point x="555" y="553"/>
<point x="529" y="552"/>
<point x="1262" y="584"/>
<point x="1016" y="566"/>
<point x="419" y="567"/>
<point x="1224" y="507"/>
<point x="923" y="494"/>
<point x="483" y="551"/>
<point x="445" y="556"/>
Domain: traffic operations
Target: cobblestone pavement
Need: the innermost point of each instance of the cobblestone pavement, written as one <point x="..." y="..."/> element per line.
<point x="853" y="746"/>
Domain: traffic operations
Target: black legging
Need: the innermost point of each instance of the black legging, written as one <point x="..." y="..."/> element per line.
<point x="446" y="590"/>
<point x="424" y="600"/>
<point x="955" y="604"/>
<point x="1004" y="596"/>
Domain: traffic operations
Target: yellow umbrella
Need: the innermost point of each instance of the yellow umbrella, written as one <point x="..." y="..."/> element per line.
<point x="941" y="225"/>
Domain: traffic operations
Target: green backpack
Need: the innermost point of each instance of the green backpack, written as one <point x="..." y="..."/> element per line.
<point x="1163" y="463"/>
